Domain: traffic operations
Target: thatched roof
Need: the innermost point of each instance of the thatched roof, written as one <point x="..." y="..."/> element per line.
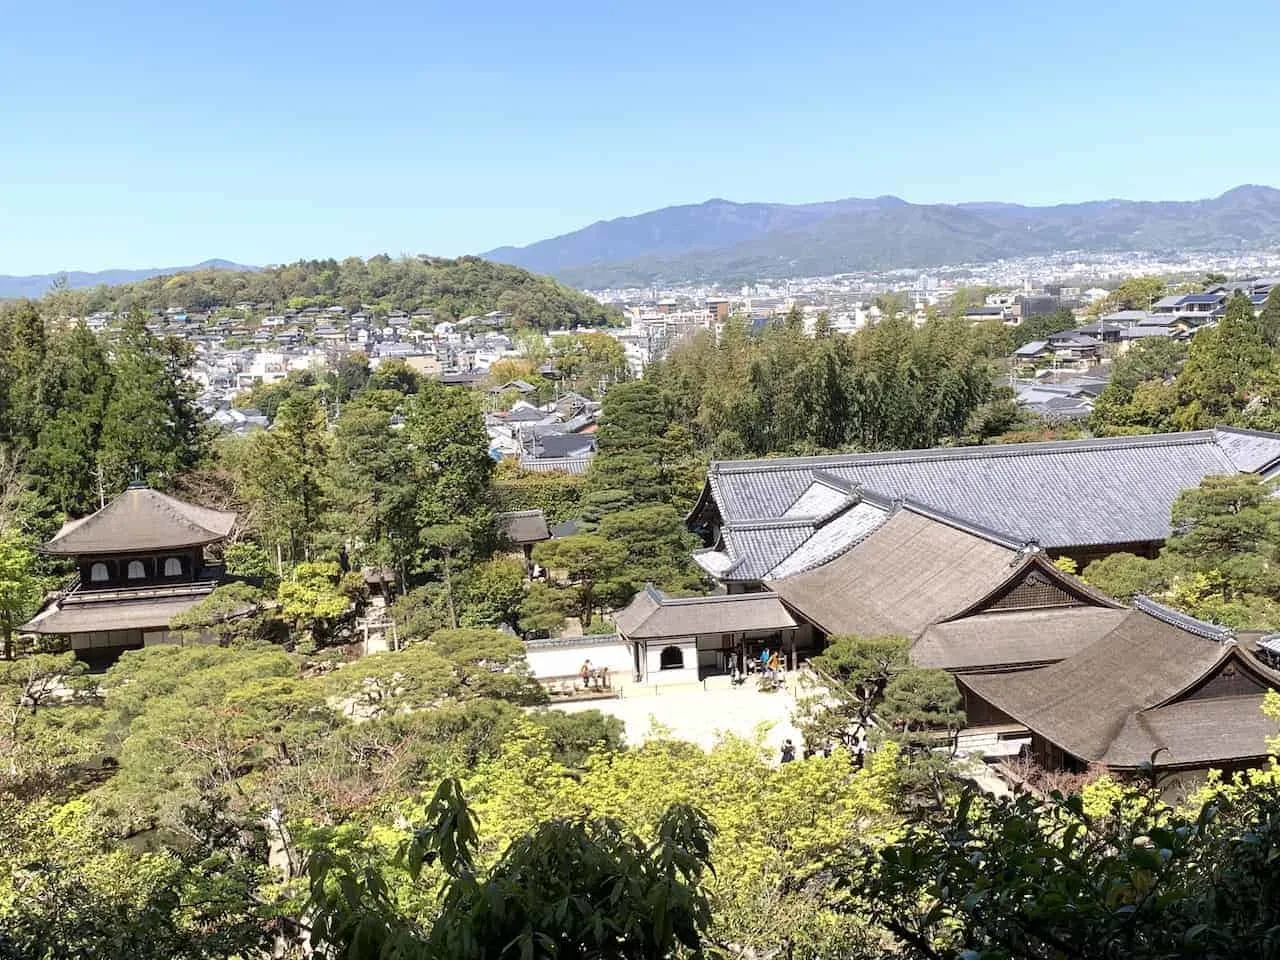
<point x="653" y="615"/>
<point x="1016" y="638"/>
<point x="141" y="520"/>
<point x="915" y="569"/>
<point x="1154" y="682"/>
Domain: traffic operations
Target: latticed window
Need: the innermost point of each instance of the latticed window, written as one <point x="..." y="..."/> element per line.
<point x="172" y="567"/>
<point x="99" y="573"/>
<point x="1035" y="591"/>
<point x="136" y="570"/>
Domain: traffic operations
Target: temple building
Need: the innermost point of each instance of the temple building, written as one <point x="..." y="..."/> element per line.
<point x="140" y="560"/>
<point x="765" y="520"/>
<point x="672" y="639"/>
<point x="1160" y="689"/>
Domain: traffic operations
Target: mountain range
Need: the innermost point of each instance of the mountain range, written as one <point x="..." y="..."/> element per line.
<point x="729" y="242"/>
<point x="37" y="285"/>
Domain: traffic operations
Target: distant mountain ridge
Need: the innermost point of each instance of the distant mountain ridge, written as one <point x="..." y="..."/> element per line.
<point x="726" y="241"/>
<point x="37" y="285"/>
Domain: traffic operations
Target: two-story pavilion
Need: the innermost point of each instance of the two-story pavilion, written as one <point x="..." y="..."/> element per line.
<point x="140" y="561"/>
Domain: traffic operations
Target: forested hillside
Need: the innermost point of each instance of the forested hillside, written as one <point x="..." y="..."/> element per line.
<point x="450" y="289"/>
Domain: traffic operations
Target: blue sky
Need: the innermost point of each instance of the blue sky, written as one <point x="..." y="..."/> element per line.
<point x="143" y="134"/>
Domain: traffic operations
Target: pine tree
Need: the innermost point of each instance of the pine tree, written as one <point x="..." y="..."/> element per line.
<point x="631" y="454"/>
<point x="1224" y="364"/>
<point x="75" y="388"/>
<point x="1269" y="319"/>
<point x="152" y="427"/>
<point x="22" y="351"/>
<point x="283" y="473"/>
<point x="444" y="428"/>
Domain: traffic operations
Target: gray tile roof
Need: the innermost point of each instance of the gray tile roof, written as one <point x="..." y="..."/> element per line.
<point x="577" y="466"/>
<point x="1061" y="494"/>
<point x="652" y="615"/>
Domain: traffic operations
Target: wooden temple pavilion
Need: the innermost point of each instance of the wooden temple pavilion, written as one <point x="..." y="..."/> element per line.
<point x="673" y="639"/>
<point x="1160" y="689"/>
<point x="140" y="561"/>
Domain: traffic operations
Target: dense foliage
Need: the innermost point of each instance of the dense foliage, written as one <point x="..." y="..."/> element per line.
<point x="1020" y="878"/>
<point x="1230" y="374"/>
<point x="80" y="418"/>
<point x="1218" y="564"/>
<point x="889" y="386"/>
<point x="449" y="289"/>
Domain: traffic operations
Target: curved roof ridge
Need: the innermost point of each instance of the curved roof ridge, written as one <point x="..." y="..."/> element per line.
<point x="1183" y="621"/>
<point x="181" y="511"/>
<point x="141" y="519"/>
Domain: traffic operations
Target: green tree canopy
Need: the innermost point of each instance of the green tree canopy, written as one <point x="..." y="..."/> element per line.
<point x="151" y="426"/>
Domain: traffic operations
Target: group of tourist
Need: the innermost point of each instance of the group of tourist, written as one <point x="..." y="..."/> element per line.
<point x="593" y="677"/>
<point x="789" y="750"/>
<point x="769" y="663"/>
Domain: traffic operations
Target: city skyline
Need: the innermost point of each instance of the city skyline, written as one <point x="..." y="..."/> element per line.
<point x="144" y="136"/>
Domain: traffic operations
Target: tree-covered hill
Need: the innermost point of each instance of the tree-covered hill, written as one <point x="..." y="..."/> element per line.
<point x="450" y="289"/>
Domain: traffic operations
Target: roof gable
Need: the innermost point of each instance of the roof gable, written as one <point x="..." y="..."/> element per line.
<point x="1038" y="584"/>
<point x="1103" y="703"/>
<point x="911" y="571"/>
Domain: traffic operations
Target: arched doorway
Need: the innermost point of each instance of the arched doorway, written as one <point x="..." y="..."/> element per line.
<point x="671" y="658"/>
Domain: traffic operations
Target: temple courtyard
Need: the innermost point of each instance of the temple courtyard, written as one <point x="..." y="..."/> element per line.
<point x="690" y="712"/>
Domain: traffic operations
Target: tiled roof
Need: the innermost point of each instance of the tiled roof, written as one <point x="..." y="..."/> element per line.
<point x="1061" y="494"/>
<point x="797" y="541"/>
<point x="572" y="465"/>
<point x="653" y="615"/>
<point x="523" y="526"/>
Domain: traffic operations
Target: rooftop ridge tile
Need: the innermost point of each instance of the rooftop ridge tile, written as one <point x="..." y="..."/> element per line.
<point x="989" y="451"/>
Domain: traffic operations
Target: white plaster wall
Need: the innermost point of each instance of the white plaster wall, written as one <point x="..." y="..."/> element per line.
<point x="687" y="675"/>
<point x="566" y="661"/>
